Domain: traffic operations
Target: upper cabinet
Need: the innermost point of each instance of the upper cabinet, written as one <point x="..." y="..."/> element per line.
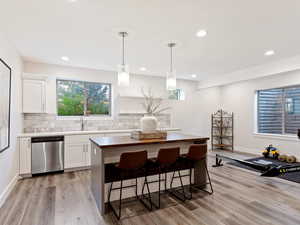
<point x="34" y="95"/>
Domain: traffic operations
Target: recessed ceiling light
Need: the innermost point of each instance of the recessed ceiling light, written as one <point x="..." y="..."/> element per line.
<point x="201" y="33"/>
<point x="194" y="75"/>
<point x="72" y="0"/>
<point x="65" y="58"/>
<point x="269" y="52"/>
<point x="143" y="68"/>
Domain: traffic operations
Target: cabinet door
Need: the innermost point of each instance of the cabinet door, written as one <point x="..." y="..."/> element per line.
<point x="34" y="96"/>
<point x="75" y="155"/>
<point x="25" y="155"/>
<point x="88" y="154"/>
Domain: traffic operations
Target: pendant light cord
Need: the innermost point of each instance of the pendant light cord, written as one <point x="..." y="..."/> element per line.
<point x="123" y="34"/>
<point x="171" y="64"/>
<point x="171" y="45"/>
<point x="123" y="43"/>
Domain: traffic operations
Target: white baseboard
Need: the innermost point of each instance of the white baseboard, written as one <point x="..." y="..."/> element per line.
<point x="8" y="189"/>
<point x="247" y="150"/>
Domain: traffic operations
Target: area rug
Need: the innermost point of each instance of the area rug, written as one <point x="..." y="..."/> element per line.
<point x="294" y="176"/>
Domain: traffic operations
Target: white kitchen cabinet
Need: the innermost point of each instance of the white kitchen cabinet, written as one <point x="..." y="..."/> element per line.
<point x="88" y="154"/>
<point x="76" y="156"/>
<point x="77" y="151"/>
<point x="25" y="156"/>
<point x="34" y="96"/>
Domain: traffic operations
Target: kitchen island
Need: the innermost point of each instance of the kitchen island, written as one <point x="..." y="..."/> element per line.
<point x="107" y="150"/>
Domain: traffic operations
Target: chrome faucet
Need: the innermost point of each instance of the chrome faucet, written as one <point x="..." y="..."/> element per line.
<point x="82" y="123"/>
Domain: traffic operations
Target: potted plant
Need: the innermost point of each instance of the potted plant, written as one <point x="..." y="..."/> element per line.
<point x="152" y="107"/>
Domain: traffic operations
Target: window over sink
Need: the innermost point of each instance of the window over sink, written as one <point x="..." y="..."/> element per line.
<point x="82" y="98"/>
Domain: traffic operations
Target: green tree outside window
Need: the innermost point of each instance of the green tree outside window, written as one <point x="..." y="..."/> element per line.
<point x="79" y="98"/>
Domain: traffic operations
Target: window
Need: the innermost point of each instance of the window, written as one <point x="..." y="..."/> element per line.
<point x="177" y="94"/>
<point x="279" y="110"/>
<point x="78" y="98"/>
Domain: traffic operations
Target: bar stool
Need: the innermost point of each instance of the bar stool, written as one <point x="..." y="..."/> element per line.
<point x="197" y="153"/>
<point x="165" y="162"/>
<point x="131" y="165"/>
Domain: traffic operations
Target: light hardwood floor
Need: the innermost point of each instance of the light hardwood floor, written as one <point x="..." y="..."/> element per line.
<point x="240" y="197"/>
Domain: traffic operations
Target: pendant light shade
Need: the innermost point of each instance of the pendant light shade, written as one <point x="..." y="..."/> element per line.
<point x="123" y="75"/>
<point x="171" y="80"/>
<point x="123" y="69"/>
<point x="171" y="75"/>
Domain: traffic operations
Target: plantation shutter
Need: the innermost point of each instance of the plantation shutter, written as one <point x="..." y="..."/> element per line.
<point x="270" y="111"/>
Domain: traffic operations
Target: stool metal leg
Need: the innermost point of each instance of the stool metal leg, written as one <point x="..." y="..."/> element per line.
<point x="165" y="182"/>
<point x="120" y="202"/>
<point x="159" y="190"/>
<point x="180" y="178"/>
<point x="146" y="183"/>
<point x="136" y="191"/>
<point x="173" y="191"/>
<point x="209" y="182"/>
<point x="211" y="191"/>
<point x="118" y="215"/>
<point x="190" y="188"/>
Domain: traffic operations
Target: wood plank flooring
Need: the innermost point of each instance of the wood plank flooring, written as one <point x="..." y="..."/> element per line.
<point x="241" y="197"/>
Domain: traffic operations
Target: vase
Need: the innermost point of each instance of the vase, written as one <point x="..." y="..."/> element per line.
<point x="148" y="124"/>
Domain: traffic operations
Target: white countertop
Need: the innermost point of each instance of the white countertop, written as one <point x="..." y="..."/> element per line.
<point x="86" y="132"/>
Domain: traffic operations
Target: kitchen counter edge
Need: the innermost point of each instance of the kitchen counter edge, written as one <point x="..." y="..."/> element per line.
<point x="64" y="133"/>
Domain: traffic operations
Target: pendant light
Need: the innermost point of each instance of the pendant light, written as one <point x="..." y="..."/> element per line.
<point x="171" y="75"/>
<point x="123" y="69"/>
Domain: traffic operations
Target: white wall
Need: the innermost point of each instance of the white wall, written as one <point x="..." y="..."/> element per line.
<point x="179" y="111"/>
<point x="9" y="159"/>
<point x="195" y="114"/>
<point x="239" y="98"/>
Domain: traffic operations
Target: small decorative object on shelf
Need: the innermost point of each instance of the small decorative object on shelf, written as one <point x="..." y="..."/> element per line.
<point x="222" y="130"/>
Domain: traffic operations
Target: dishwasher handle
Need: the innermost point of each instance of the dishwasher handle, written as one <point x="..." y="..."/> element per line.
<point x="47" y="139"/>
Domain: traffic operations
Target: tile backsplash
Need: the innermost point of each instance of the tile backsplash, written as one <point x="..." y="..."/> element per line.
<point x="51" y="123"/>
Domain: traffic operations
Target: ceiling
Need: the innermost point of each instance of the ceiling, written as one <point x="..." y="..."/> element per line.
<point x="239" y="32"/>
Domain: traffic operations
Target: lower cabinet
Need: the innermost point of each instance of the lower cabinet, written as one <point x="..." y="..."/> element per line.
<point x="77" y="155"/>
<point x="25" y="156"/>
<point x="77" y="151"/>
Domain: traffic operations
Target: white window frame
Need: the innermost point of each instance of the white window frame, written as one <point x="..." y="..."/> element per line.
<point x="87" y="117"/>
<point x="256" y="133"/>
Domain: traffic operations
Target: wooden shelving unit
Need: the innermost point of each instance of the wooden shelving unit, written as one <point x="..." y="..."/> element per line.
<point x="222" y="130"/>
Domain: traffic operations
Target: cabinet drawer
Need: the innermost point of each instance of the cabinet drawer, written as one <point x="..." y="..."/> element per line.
<point x="84" y="139"/>
<point x="77" y="139"/>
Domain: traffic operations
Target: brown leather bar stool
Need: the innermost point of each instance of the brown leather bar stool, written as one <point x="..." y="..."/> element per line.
<point x="165" y="162"/>
<point x="197" y="153"/>
<point x="131" y="166"/>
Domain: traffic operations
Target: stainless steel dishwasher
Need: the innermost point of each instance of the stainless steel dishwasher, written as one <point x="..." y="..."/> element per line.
<point x="47" y="154"/>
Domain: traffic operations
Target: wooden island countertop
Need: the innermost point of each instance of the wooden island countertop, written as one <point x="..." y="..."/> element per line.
<point x="125" y="141"/>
